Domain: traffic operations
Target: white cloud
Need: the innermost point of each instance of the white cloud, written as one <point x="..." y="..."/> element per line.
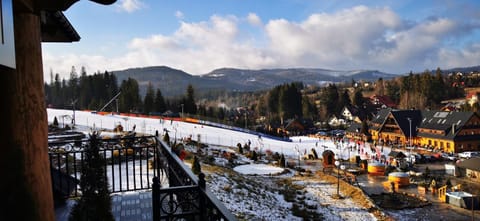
<point x="130" y="5"/>
<point x="469" y="56"/>
<point x="179" y="14"/>
<point x="344" y="38"/>
<point x="254" y="20"/>
<point x="356" y="38"/>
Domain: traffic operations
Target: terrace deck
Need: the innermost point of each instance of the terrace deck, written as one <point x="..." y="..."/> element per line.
<point x="127" y="206"/>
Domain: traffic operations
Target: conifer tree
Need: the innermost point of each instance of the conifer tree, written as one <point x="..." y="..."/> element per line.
<point x="148" y="101"/>
<point x="95" y="203"/>
<point x="129" y="100"/>
<point x="254" y="156"/>
<point x="196" y="168"/>
<point x="358" y="98"/>
<point x="240" y="149"/>
<point x="166" y="138"/>
<point x="160" y="105"/>
<point x="189" y="102"/>
<point x="282" y="161"/>
<point x="55" y="122"/>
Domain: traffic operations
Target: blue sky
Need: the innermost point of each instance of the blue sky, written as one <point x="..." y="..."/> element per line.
<point x="200" y="36"/>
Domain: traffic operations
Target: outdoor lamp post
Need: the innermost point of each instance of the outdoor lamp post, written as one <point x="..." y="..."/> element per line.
<point x="337" y="164"/>
<point x="473" y="211"/>
<point x="245" y="120"/>
<point x="182" y="110"/>
<point x="298" y="153"/>
<point x="410" y="126"/>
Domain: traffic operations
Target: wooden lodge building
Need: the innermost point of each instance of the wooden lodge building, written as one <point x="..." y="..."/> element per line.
<point x="394" y="127"/>
<point x="446" y="131"/>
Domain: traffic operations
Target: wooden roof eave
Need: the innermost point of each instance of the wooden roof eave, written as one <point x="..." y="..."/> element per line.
<point x="62" y="5"/>
<point x="56" y="28"/>
<point x="54" y="25"/>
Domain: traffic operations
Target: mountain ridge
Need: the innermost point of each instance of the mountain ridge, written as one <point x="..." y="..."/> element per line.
<point x="173" y="82"/>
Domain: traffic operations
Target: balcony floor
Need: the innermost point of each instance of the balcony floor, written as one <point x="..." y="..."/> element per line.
<point x="128" y="206"/>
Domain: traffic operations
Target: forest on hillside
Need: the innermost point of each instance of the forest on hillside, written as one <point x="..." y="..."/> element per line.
<point x="273" y="106"/>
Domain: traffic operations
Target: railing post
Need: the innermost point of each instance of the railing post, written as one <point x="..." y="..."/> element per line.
<point x="156" y="199"/>
<point x="201" y="181"/>
<point x="202" y="203"/>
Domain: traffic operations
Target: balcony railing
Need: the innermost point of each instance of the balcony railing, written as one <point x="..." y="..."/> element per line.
<point x="136" y="163"/>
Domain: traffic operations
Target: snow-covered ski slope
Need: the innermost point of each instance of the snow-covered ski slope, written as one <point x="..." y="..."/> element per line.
<point x="207" y="134"/>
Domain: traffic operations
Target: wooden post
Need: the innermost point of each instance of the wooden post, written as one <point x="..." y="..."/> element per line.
<point x="26" y="183"/>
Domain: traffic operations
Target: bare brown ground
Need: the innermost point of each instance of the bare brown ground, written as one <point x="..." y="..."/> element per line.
<point x="355" y="193"/>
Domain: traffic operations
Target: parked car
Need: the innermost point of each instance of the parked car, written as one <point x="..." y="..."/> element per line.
<point x="469" y="154"/>
<point x="322" y="133"/>
<point x="450" y="157"/>
<point x="428" y="158"/>
<point x="414" y="158"/>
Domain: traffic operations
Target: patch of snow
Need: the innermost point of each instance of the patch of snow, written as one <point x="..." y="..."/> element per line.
<point x="259" y="169"/>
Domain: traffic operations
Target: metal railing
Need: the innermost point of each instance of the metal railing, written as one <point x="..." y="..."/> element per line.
<point x="139" y="163"/>
<point x="187" y="196"/>
<point x="128" y="163"/>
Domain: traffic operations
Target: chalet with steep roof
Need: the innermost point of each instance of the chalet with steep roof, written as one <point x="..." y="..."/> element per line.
<point x="395" y="127"/>
<point x="377" y="122"/>
<point x="298" y="126"/>
<point x="348" y="113"/>
<point x="353" y="114"/>
<point x="354" y="131"/>
<point x="450" y="131"/>
<point x="334" y="121"/>
<point x="391" y="126"/>
<point x="382" y="101"/>
<point x="445" y="131"/>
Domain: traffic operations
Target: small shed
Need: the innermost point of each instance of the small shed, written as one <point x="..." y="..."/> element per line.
<point x="471" y="168"/>
<point x="463" y="200"/>
<point x="328" y="158"/>
<point x="397" y="154"/>
<point x="396" y="158"/>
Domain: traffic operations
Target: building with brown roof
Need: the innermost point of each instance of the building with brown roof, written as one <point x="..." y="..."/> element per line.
<point x="472" y="168"/>
<point x="444" y="131"/>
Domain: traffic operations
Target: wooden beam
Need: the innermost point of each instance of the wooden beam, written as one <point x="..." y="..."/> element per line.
<point x="25" y="188"/>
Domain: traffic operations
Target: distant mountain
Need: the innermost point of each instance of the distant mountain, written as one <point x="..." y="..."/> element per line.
<point x="462" y="69"/>
<point x="266" y="78"/>
<point x="173" y="82"/>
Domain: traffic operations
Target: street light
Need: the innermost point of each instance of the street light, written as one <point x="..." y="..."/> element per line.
<point x="473" y="212"/>
<point x="298" y="153"/>
<point x="245" y="120"/>
<point x="73" y="105"/>
<point x="182" y="110"/>
<point x="410" y="126"/>
<point x="337" y="164"/>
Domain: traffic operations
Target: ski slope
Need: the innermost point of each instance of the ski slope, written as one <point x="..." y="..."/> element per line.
<point x="207" y="134"/>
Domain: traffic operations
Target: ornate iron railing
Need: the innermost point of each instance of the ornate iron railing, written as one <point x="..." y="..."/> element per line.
<point x="187" y="196"/>
<point x="128" y="163"/>
<point x="139" y="163"/>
